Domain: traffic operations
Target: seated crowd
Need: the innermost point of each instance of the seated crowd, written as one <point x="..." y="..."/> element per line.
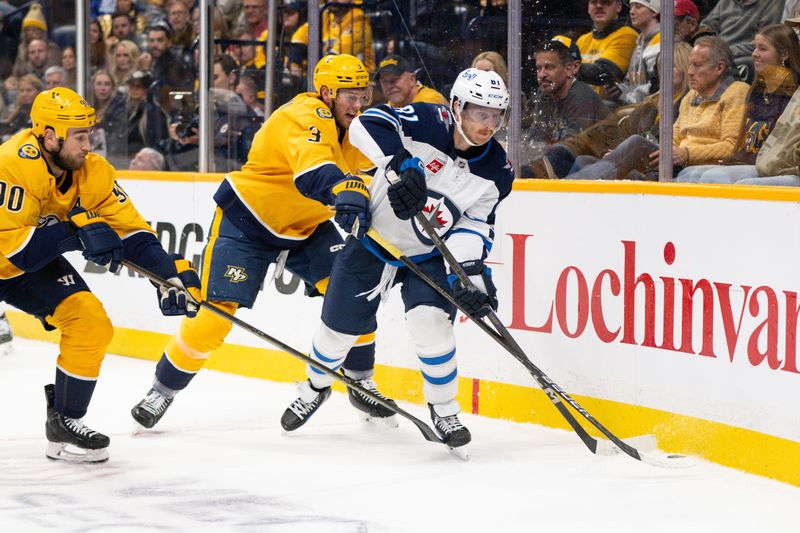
<point x="594" y="112"/>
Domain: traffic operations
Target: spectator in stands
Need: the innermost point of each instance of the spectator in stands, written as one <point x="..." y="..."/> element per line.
<point x="110" y="115"/>
<point x="69" y="65"/>
<point x="736" y="21"/>
<point x="121" y="29"/>
<point x="491" y="61"/>
<point x="8" y="49"/>
<point x="225" y="73"/>
<point x="244" y="54"/>
<point x="147" y="159"/>
<point x="707" y="126"/>
<point x="97" y="46"/>
<point x="687" y="21"/>
<point x="641" y="78"/>
<point x="146" y="121"/>
<point x="591" y="144"/>
<point x="19" y="115"/>
<point x="776" y="59"/>
<point x="178" y="16"/>
<point x="400" y="86"/>
<point x="165" y="65"/>
<point x="36" y="61"/>
<point x="34" y="27"/>
<point x="55" y="76"/>
<point x="124" y="61"/>
<point x="134" y="13"/>
<point x="254" y="15"/>
<point x="563" y="104"/>
<point x="248" y="92"/>
<point x="606" y="50"/>
<point x="345" y="30"/>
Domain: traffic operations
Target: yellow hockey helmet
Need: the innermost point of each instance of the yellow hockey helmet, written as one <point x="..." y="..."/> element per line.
<point x="61" y="109"/>
<point x="341" y="71"/>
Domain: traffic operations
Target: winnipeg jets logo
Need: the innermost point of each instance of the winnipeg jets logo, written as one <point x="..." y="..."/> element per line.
<point x="433" y="212"/>
<point x="442" y="214"/>
<point x="236" y="274"/>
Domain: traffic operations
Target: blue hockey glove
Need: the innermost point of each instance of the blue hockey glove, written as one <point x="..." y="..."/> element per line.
<point x="407" y="189"/>
<point x="352" y="206"/>
<point x="101" y="244"/>
<point x="479" y="299"/>
<point x="183" y="297"/>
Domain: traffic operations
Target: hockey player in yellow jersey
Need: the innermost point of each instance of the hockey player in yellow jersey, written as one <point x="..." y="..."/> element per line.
<point x="301" y="170"/>
<point x="57" y="197"/>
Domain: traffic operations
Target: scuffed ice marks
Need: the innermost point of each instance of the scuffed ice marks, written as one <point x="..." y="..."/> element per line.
<point x="160" y="507"/>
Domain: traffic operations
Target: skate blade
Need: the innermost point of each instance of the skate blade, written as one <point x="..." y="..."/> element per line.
<point x="389" y="422"/>
<point x="462" y="452"/>
<point x="61" y="451"/>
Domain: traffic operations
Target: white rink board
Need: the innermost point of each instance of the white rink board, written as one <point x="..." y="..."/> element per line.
<point x="713" y="240"/>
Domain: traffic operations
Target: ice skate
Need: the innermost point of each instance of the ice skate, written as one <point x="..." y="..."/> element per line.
<point x="151" y="409"/>
<point x="370" y="410"/>
<point x="6" y="336"/>
<point x="455" y="435"/>
<point x="303" y="407"/>
<point x="70" y="440"/>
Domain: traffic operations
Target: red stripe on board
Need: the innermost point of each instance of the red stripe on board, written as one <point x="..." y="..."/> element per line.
<point x="476" y="395"/>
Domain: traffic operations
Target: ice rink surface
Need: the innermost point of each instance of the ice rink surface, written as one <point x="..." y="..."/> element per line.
<point x="219" y="461"/>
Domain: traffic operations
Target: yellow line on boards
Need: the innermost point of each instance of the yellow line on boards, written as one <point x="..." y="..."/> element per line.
<point x="739" y="448"/>
<point x="735" y="192"/>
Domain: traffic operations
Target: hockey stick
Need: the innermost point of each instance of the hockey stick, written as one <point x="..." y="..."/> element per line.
<point x="553" y="392"/>
<point x="427" y="431"/>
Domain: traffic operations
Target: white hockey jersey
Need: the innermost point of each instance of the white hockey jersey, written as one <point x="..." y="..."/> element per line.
<point x="464" y="189"/>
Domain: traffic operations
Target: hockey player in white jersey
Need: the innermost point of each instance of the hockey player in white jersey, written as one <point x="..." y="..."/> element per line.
<point x="445" y="163"/>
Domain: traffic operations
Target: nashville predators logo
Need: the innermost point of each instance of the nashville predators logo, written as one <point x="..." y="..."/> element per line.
<point x="324" y="112"/>
<point x="235" y="274"/>
<point x="28" y="151"/>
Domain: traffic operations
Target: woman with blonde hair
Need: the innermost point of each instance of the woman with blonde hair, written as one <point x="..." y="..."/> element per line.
<point x="491" y="61"/>
<point x="124" y="61"/>
<point x="19" y="115"/>
<point x="111" y="116"/>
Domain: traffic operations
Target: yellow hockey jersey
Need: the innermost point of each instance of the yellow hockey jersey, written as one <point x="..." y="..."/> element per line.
<point x="30" y="197"/>
<point x="283" y="191"/>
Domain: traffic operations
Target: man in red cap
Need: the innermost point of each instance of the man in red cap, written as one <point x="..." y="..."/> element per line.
<point x="687" y="17"/>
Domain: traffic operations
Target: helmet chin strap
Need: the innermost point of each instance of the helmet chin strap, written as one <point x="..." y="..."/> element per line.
<point x="457" y="119"/>
<point x="459" y="107"/>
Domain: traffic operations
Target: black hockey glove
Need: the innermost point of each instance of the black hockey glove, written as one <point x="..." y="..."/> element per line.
<point x="183" y="297"/>
<point x="352" y="206"/>
<point x="101" y="244"/>
<point x="407" y="189"/>
<point x="479" y="299"/>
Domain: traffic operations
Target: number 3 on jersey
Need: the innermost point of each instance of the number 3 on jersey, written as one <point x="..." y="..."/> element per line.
<point x="314" y="135"/>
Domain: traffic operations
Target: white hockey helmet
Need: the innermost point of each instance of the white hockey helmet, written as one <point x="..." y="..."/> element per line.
<point x="480" y="87"/>
<point x="483" y="88"/>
